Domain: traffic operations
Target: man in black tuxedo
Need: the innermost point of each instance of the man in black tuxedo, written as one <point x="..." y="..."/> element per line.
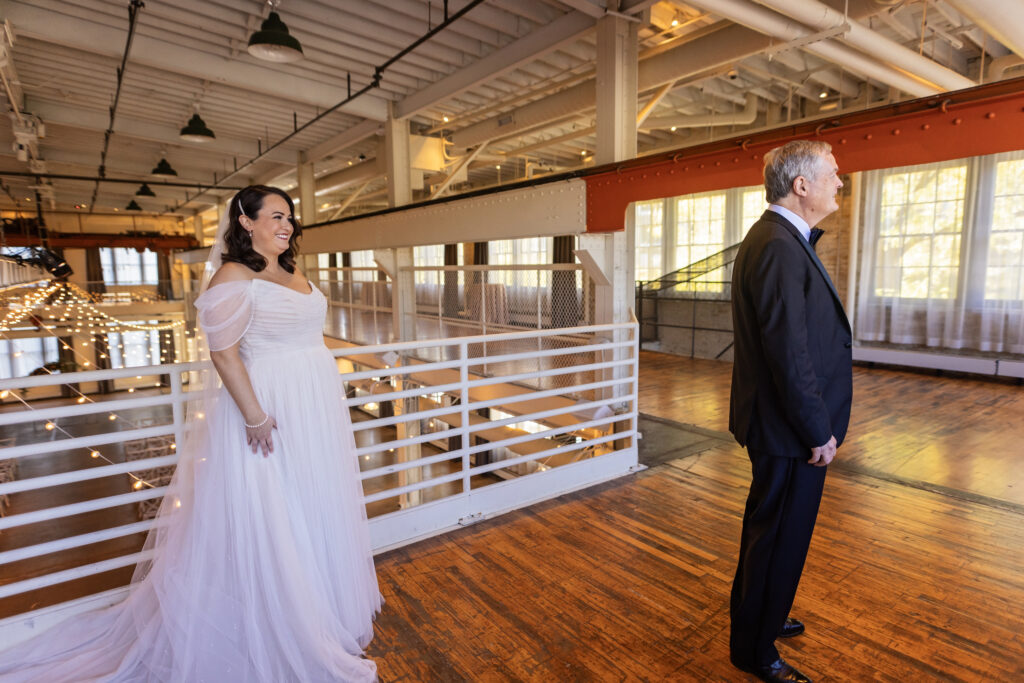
<point x="791" y="389"/>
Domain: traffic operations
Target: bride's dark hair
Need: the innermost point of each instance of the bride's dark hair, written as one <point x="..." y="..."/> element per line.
<point x="238" y="243"/>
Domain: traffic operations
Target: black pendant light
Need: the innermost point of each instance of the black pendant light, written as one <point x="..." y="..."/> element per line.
<point x="133" y="206"/>
<point x="164" y="169"/>
<point x="273" y="43"/>
<point x="144" y="191"/>
<point x="196" y="131"/>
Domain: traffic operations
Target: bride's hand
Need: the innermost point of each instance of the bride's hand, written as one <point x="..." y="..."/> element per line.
<point x="260" y="437"/>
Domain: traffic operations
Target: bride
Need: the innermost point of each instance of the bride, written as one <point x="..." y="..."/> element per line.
<point x="258" y="565"/>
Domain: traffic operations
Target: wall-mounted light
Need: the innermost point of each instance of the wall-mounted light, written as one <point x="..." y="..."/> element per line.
<point x="196" y="130"/>
<point x="272" y="42"/>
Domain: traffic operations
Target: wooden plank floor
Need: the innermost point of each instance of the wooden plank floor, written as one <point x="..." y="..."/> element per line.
<point x="630" y="582"/>
<point x="956" y="434"/>
<point x="909" y="577"/>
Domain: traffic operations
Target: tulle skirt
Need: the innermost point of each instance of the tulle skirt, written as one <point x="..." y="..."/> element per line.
<point x="261" y="569"/>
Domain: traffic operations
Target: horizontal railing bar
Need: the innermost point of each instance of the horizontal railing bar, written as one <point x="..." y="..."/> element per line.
<point x="501" y="400"/>
<point x="99" y="375"/>
<point x="404" y="393"/>
<point x="552" y="372"/>
<point x="396" y="419"/>
<point x="85" y="441"/>
<point x="58" y="412"/>
<point x="23" y="518"/>
<point x="60" y="544"/>
<point x="427" y="366"/>
<point x="401" y="466"/>
<point x="531" y="395"/>
<point x="562" y="351"/>
<point x="488" y="424"/>
<point x="486" y="381"/>
<point x="86" y="474"/>
<point x="73" y="573"/>
<point x="495" y="268"/>
<point x="409" y="441"/>
<point x="502" y="464"/>
<point x="546" y="434"/>
<point x="409" y="488"/>
<point x="580" y="331"/>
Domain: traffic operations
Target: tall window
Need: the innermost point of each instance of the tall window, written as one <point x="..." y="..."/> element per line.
<point x="123" y="266"/>
<point x="919" y="228"/>
<point x="676" y="232"/>
<point x="649" y="221"/>
<point x="362" y="259"/>
<point x="19" y="357"/>
<point x="753" y="205"/>
<point x="700" y="227"/>
<point x="529" y="250"/>
<point x="943" y="256"/>
<point x="134" y="349"/>
<point x="1004" y="275"/>
<point x="428" y="255"/>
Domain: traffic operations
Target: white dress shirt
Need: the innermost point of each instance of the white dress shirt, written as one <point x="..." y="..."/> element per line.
<point x="800" y="223"/>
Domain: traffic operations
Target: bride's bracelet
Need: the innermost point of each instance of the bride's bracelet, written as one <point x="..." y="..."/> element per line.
<point x="257" y="425"/>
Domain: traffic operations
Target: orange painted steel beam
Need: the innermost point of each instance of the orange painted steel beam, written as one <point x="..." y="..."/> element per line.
<point x="984" y="120"/>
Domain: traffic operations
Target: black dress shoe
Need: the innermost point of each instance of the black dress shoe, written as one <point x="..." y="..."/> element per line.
<point x="780" y="672"/>
<point x="791" y="628"/>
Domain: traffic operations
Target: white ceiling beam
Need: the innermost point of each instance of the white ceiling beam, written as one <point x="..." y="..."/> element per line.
<point x="87" y="119"/>
<point x="342" y="140"/>
<point x="527" y="49"/>
<point x="98" y="39"/>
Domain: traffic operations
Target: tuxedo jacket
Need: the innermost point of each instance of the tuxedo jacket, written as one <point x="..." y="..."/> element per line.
<point x="792" y="380"/>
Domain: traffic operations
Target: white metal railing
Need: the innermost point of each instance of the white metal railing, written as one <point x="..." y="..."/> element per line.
<point x="360" y="303"/>
<point x="503" y="297"/>
<point x="448" y="431"/>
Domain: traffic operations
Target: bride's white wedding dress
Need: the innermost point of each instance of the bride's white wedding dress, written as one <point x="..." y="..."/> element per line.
<point x="261" y="567"/>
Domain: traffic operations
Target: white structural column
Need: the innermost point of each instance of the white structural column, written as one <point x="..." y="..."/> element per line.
<point x="403" y="292"/>
<point x="307" y="206"/>
<point x="307" y="189"/>
<point x="616" y="141"/>
<point x="616" y="89"/>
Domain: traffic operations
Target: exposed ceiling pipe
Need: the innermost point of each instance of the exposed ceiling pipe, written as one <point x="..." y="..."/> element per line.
<point x="1001" y="19"/>
<point x="744" y="117"/>
<point x="817" y="15"/>
<point x="720" y="48"/>
<point x="997" y="67"/>
<point x="769" y="22"/>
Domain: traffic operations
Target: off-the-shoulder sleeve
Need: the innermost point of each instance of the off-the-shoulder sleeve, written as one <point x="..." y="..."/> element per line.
<point x="225" y="312"/>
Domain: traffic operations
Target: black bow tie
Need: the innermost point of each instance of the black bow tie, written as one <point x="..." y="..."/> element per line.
<point x="816" y="234"/>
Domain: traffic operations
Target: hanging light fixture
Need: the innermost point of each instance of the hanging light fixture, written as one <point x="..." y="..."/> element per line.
<point x="144" y="191"/>
<point x="133" y="206"/>
<point x="196" y="130"/>
<point x="164" y="169"/>
<point x="272" y="42"/>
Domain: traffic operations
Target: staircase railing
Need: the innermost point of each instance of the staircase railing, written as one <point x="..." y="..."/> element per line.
<point x="690" y="282"/>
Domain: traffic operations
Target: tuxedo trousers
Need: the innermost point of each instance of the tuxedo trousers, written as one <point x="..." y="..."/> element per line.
<point x="777" y="526"/>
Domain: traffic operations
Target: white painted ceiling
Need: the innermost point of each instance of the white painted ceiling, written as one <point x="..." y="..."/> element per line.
<point x="190" y="55"/>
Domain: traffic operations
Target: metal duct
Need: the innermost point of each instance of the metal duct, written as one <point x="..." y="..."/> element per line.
<point x="1001" y="19"/>
<point x="744" y="117"/>
<point x="720" y="48"/>
<point x="772" y="23"/>
<point x="818" y="16"/>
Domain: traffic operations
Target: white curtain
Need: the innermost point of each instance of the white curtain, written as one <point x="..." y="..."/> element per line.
<point x="943" y="255"/>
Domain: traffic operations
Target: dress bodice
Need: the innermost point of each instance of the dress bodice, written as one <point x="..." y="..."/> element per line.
<point x="283" y="320"/>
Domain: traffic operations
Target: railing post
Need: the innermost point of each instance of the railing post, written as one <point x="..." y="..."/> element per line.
<point x="177" y="408"/>
<point x="463" y="403"/>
